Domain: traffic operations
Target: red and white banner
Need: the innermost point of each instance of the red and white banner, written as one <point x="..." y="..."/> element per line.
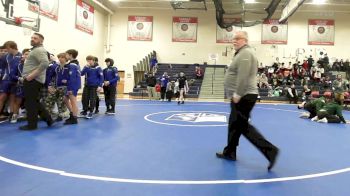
<point x="321" y="32"/>
<point x="84" y="20"/>
<point x="140" y="28"/>
<point x="185" y="29"/>
<point x="226" y="35"/>
<point x="274" y="32"/>
<point x="48" y="8"/>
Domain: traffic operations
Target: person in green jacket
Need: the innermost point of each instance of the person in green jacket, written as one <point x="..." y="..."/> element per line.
<point x="312" y="107"/>
<point x="330" y="113"/>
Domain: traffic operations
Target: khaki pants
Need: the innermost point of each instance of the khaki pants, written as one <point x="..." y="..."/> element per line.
<point x="339" y="97"/>
<point x="151" y="92"/>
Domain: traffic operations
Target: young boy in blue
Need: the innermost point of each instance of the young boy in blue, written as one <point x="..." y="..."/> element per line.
<point x="57" y="79"/>
<point x="10" y="65"/>
<point x="111" y="77"/>
<point x="16" y="75"/>
<point x="73" y="85"/>
<point x="94" y="81"/>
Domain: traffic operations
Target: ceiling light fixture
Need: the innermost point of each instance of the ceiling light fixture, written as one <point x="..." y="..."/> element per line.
<point x="249" y="1"/>
<point x="319" y="2"/>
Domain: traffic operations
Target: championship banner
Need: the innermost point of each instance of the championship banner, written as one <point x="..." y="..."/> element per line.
<point x="226" y="35"/>
<point x="84" y="20"/>
<point x="321" y="32"/>
<point x="48" y="8"/>
<point x="274" y="32"/>
<point x="185" y="29"/>
<point x="140" y="28"/>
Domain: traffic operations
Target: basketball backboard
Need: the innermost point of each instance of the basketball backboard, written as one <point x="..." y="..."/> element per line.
<point x="11" y="16"/>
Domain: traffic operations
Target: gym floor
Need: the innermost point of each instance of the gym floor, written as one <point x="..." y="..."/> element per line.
<point x="160" y="148"/>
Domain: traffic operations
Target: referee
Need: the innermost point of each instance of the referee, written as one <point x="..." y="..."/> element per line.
<point x="241" y="88"/>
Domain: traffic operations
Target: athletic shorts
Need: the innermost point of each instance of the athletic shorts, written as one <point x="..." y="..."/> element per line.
<point x="75" y="93"/>
<point x="7" y="87"/>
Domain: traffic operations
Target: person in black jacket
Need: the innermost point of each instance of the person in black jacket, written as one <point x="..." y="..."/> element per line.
<point x="151" y="82"/>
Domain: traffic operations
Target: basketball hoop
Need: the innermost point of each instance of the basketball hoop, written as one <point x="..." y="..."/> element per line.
<point x="20" y="20"/>
<point x="27" y="32"/>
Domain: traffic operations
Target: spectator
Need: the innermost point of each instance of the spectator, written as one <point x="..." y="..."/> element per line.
<point x="151" y="83"/>
<point x="306" y="93"/>
<point x="163" y="84"/>
<point x="170" y="90"/>
<point x="153" y="63"/>
<point x="339" y="87"/>
<point x="292" y="94"/>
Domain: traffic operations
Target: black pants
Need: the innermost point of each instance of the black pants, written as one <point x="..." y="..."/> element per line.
<point x="310" y="108"/>
<point x="162" y="92"/>
<point x="238" y="125"/>
<point x="84" y="99"/>
<point x="97" y="105"/>
<point x="293" y="99"/>
<point x="89" y="102"/>
<point x="32" y="103"/>
<point x="330" y="118"/>
<point x="169" y="95"/>
<point x="110" y="92"/>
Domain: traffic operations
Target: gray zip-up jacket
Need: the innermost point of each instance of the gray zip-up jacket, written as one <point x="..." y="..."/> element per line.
<point x="37" y="59"/>
<point x="240" y="78"/>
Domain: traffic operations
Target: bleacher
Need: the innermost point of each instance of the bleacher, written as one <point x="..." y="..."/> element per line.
<point x="173" y="70"/>
<point x="314" y="86"/>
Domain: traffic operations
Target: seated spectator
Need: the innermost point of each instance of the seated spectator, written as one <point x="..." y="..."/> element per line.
<point x="277" y="92"/>
<point x="306" y="93"/>
<point x="289" y="80"/>
<point x="263" y="81"/>
<point x="339" y="86"/>
<point x="292" y="94"/>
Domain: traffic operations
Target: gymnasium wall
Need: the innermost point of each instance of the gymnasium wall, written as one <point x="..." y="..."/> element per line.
<point x="59" y="35"/>
<point x="129" y="53"/>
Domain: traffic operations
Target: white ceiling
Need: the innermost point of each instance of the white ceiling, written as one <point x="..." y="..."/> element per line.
<point x="231" y="5"/>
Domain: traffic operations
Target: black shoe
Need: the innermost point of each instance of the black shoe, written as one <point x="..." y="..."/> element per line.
<point x="58" y="119"/>
<point x="49" y="122"/>
<point x="111" y="112"/>
<point x="83" y="113"/>
<point x="107" y="111"/>
<point x="272" y="156"/>
<point x="178" y="103"/>
<point x="27" y="128"/>
<point x="227" y="157"/>
<point x="182" y="102"/>
<point x="71" y="121"/>
<point x="97" y="111"/>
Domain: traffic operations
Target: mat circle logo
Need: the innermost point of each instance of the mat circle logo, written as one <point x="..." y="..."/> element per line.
<point x="189" y="118"/>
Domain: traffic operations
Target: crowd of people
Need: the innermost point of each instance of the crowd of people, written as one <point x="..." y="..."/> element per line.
<point x="284" y="79"/>
<point x="36" y="82"/>
<point x="164" y="88"/>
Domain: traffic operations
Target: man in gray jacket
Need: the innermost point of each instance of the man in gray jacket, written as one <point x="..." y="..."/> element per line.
<point x="241" y="88"/>
<point x="34" y="74"/>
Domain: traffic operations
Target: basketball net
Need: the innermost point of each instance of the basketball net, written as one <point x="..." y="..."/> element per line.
<point x="27" y="21"/>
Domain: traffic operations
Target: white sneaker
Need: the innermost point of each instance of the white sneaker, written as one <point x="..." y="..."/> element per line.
<point x="314" y="118"/>
<point x="304" y="115"/>
<point x="14" y="118"/>
<point x="323" y="120"/>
